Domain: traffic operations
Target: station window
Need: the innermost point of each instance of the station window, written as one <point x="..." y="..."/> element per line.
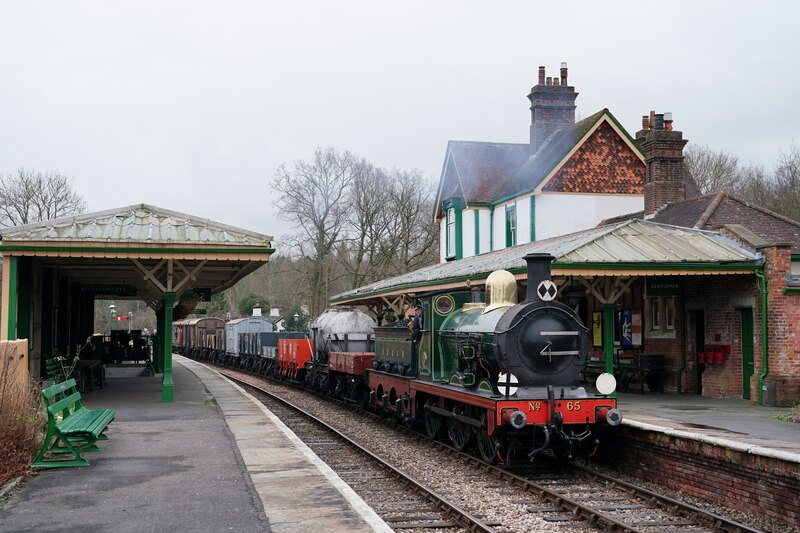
<point x="662" y="313"/>
<point x="451" y="232"/>
<point x="511" y="225"/>
<point x="655" y="313"/>
<point x="669" y="313"/>
<point x="452" y="229"/>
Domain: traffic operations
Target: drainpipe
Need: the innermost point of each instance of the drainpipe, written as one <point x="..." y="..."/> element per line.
<point x="764" y="350"/>
<point x="683" y="344"/>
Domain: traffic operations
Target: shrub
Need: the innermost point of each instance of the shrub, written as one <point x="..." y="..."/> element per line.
<point x="22" y="424"/>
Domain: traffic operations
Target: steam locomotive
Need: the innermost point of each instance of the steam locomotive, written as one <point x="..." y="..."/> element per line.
<point x="481" y="370"/>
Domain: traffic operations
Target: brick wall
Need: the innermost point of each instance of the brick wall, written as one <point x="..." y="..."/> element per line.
<point x="720" y="298"/>
<point x="783" y="335"/>
<point x="754" y="484"/>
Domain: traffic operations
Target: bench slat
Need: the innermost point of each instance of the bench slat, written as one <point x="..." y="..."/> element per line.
<point x="49" y="392"/>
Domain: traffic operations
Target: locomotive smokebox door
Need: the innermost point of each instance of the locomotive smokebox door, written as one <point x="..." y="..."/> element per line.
<point x="542" y="341"/>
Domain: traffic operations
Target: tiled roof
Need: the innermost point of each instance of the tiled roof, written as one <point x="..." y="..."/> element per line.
<point x="632" y="242"/>
<point x="135" y="223"/>
<point x="603" y="164"/>
<point x="476" y="171"/>
<point x="715" y="210"/>
<point x="482" y="172"/>
<point x="536" y="168"/>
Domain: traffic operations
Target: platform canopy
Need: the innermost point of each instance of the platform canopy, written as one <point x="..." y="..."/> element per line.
<point x="623" y="250"/>
<point x="137" y="252"/>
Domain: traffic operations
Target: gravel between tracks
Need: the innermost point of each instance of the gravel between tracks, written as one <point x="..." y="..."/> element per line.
<point x="474" y="492"/>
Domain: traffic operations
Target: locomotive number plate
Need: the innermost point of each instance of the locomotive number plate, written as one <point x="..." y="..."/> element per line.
<point x="535" y="406"/>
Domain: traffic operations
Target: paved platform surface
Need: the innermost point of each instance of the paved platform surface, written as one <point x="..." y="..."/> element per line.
<point x="213" y="460"/>
<point x="729" y="422"/>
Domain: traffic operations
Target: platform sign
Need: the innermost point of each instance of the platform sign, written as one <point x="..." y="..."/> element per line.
<point x="199" y="311"/>
<point x="203" y="294"/>
<point x="664" y="286"/>
<point x="597" y="329"/>
<point x="109" y="289"/>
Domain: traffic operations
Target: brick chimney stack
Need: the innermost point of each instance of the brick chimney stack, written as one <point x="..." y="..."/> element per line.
<point x="665" y="180"/>
<point x="552" y="106"/>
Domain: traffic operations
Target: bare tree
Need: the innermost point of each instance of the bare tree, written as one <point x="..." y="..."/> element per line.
<point x="712" y="171"/>
<point x="32" y="196"/>
<point x="412" y="233"/>
<point x="786" y="197"/>
<point x="312" y="195"/>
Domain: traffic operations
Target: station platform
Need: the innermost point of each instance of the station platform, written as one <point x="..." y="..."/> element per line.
<point x="213" y="460"/>
<point x="732" y="423"/>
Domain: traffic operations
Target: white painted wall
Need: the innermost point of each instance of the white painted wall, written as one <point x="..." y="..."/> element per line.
<point x="442" y="239"/>
<point x="524" y="220"/>
<point x="467" y="232"/>
<point x="556" y="214"/>
<point x="485" y="217"/>
<point x="560" y="214"/>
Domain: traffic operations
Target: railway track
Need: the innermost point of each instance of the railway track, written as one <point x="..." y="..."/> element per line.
<point x="402" y="502"/>
<point x="565" y="496"/>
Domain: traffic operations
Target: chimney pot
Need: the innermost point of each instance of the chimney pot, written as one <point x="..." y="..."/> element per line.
<point x="659" y="125"/>
<point x="541" y="75"/>
<point x="555" y="81"/>
<point x="549" y="80"/>
<point x="645" y="122"/>
<point x="563" y="73"/>
<point x="668" y="121"/>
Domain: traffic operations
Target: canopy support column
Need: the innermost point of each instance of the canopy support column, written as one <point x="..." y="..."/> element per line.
<point x="608" y="339"/>
<point x="8" y="326"/>
<point x="167" y="386"/>
<point x="158" y="346"/>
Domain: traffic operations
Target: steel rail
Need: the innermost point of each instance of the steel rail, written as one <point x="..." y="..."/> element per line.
<point x="706" y="518"/>
<point x="580" y="511"/>
<point x="449" y="510"/>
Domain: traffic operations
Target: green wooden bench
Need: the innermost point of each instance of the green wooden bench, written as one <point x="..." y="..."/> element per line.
<point x="593" y="367"/>
<point x="71" y="428"/>
<point x="56" y="371"/>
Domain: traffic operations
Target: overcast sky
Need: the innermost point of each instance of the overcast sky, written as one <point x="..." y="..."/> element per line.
<point x="191" y="106"/>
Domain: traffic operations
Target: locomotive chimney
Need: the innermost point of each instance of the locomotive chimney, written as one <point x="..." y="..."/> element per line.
<point x="538" y="271"/>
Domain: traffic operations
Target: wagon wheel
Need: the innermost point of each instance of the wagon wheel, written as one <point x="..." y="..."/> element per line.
<point x="433" y="423"/>
<point x="487" y="445"/>
<point x="459" y="434"/>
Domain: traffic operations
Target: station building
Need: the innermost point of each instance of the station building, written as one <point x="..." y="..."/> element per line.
<point x="54" y="270"/>
<point x="706" y="286"/>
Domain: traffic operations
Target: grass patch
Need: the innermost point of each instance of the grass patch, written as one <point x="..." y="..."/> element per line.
<point x="791" y="416"/>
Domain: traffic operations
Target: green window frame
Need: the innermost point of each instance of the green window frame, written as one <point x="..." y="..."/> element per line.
<point x="453" y="245"/>
<point x="511" y="225"/>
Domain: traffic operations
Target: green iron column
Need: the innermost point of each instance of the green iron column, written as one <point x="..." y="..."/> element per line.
<point x="608" y="340"/>
<point x="9" y="324"/>
<point x="167" y="386"/>
<point x="158" y="353"/>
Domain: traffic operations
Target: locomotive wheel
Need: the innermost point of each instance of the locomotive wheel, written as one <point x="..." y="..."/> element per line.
<point x="433" y="424"/>
<point x="460" y="434"/>
<point x="487" y="446"/>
